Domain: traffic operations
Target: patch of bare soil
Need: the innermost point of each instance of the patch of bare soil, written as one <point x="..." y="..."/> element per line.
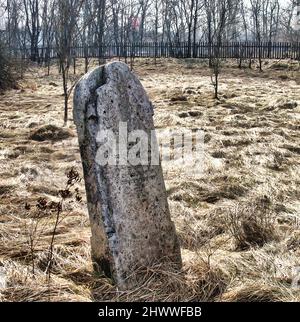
<point x="238" y="224"/>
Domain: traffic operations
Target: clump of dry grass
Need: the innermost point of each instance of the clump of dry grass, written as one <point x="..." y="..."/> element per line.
<point x="23" y="287"/>
<point x="158" y="283"/>
<point x="209" y="281"/>
<point x="252" y="224"/>
<point x="51" y="133"/>
<point x="197" y="282"/>
<point x="282" y="104"/>
<point x="194" y="193"/>
<point x="258" y="291"/>
<point x="196" y="230"/>
<point x="280" y="66"/>
<point x="194" y="233"/>
<point x="179" y="98"/>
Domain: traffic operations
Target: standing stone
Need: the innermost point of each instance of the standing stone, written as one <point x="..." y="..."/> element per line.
<point x="128" y="207"/>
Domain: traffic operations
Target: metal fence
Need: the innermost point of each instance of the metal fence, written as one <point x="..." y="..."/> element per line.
<point x="245" y="50"/>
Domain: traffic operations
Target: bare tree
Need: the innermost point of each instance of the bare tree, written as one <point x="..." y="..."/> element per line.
<point x="144" y="7"/>
<point x="47" y="30"/>
<point x="100" y="7"/>
<point x="219" y="18"/>
<point x="290" y="20"/>
<point x="67" y="14"/>
<point x="32" y="18"/>
<point x="257" y="15"/>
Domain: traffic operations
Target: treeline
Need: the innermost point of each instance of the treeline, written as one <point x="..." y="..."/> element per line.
<point x="65" y="24"/>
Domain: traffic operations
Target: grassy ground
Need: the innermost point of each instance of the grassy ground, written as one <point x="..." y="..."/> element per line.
<point x="238" y="224"/>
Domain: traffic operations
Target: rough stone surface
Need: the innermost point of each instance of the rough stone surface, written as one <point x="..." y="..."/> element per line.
<point x="128" y="208"/>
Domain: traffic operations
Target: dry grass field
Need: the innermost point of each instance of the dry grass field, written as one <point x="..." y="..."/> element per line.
<point x="239" y="224"/>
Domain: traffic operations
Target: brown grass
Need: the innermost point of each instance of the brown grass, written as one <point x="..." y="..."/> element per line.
<point x="238" y="224"/>
<point x="252" y="225"/>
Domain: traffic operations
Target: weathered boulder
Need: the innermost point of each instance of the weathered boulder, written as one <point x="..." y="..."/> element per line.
<point x="128" y="208"/>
